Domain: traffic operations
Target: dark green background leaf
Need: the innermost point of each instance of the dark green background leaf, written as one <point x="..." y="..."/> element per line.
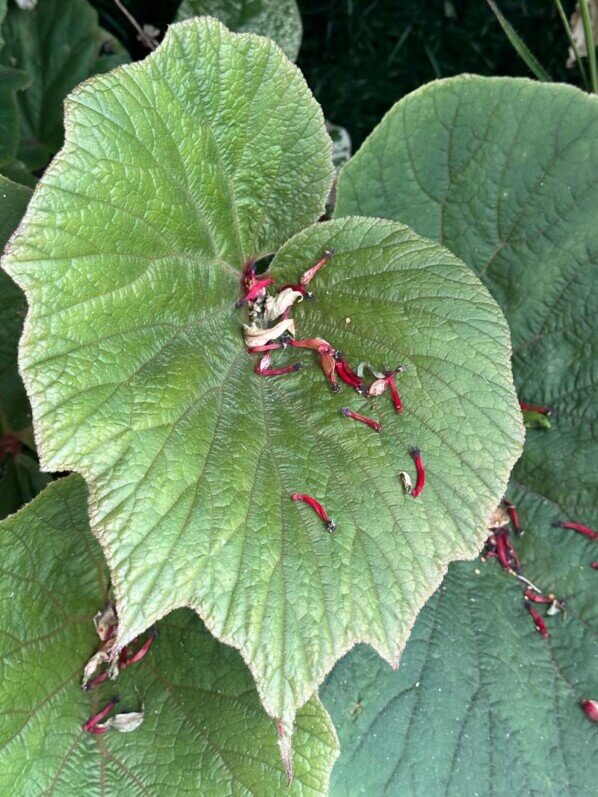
<point x="58" y="44"/>
<point x="480" y="703"/>
<point x="504" y="173"/>
<point x="204" y="730"/>
<point x="15" y="414"/>
<point x="278" y="19"/>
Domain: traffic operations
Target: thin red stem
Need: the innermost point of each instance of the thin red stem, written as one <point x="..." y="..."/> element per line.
<point x="263" y="367"/>
<point x="590" y="708"/>
<point x="265" y="347"/>
<point x="396" y="399"/>
<point x="513" y="516"/>
<point x="346" y="373"/>
<point x="578" y="527"/>
<point x="421" y="472"/>
<point x="308" y="275"/>
<point x="525" y="406"/>
<point x="93" y="721"/>
<point x="317" y="507"/>
<point x="535" y="598"/>
<point x="357" y="416"/>
<point x="136" y="657"/>
<point x="98" y="680"/>
<point x="539" y="622"/>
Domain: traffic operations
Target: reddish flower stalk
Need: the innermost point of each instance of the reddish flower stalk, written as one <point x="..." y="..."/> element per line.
<point x="263" y="369"/>
<point x="97" y="681"/>
<point x="311" y="343"/>
<point x="421" y="472"/>
<point x="317" y="507"/>
<point x="328" y="364"/>
<point x="590" y="708"/>
<point x="136" y="657"/>
<point x="512" y="554"/>
<point x="10" y="446"/>
<point x="254" y="291"/>
<point x="308" y="275"/>
<point x="357" y="416"/>
<point x="514" y="517"/>
<point x="378" y="387"/>
<point x="538" y="621"/>
<point x="535" y="408"/>
<point x="580" y="528"/>
<point x="93" y="721"/>
<point x="346" y="373"/>
<point x="535" y="598"/>
<point x="265" y="347"/>
<point x="396" y="399"/>
<point x="502" y="550"/>
<point x="248" y="275"/>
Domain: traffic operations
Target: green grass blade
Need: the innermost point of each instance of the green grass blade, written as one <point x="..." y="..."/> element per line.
<point x="590" y="47"/>
<point x="569" y="32"/>
<point x="522" y="49"/>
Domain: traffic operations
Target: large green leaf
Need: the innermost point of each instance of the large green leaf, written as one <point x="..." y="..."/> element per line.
<point x="480" y="704"/>
<point x="11" y="81"/>
<point x="278" y="19"/>
<point x="204" y="730"/>
<point x="57" y="44"/>
<point x="503" y="172"/>
<point x="175" y="172"/>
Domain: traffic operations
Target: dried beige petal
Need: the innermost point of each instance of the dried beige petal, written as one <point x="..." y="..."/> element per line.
<point x="378" y="387"/>
<point x="406" y="480"/>
<point x="105" y="622"/>
<point x="277" y="305"/>
<point x="102" y="656"/>
<point x="498" y="518"/>
<point x="254" y="336"/>
<point x="577" y="33"/>
<point x="124" y="723"/>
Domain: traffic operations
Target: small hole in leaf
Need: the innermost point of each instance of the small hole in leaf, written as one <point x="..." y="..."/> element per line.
<point x="263" y="264"/>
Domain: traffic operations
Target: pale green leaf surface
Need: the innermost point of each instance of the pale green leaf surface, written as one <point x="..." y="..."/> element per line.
<point x="134" y="361"/>
<point x="511" y="188"/>
<point x="204" y="731"/>
<point x="278" y="19"/>
<point x="57" y="44"/>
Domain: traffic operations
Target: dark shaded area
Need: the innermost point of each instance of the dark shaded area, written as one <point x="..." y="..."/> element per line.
<point x="158" y="13"/>
<point x="361" y="56"/>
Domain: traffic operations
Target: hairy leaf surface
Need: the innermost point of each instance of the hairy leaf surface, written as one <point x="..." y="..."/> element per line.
<point x="175" y="173"/>
<point x="204" y="730"/>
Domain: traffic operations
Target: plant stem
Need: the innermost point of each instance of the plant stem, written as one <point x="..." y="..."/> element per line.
<point x="565" y="21"/>
<point x="587" y="31"/>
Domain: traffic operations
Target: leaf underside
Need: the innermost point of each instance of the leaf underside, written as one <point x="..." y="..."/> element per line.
<point x="511" y="189"/>
<point x="175" y="172"/>
<point x="204" y="730"/>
